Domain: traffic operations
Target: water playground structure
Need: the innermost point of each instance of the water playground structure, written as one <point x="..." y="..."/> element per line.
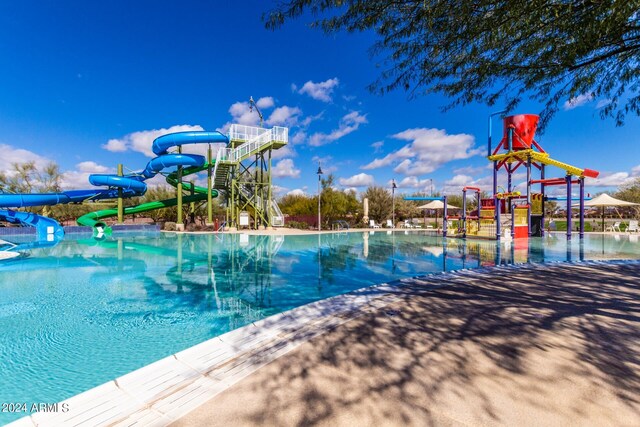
<point x="240" y="171"/>
<point x="519" y="215"/>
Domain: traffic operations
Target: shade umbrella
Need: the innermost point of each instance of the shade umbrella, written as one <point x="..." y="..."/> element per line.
<point x="437" y="205"/>
<point x="606" y="200"/>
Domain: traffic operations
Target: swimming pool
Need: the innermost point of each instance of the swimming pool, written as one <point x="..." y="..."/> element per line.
<point x="83" y="312"/>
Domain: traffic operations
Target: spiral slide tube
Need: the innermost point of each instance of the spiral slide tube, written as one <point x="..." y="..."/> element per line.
<point x="135" y="182"/>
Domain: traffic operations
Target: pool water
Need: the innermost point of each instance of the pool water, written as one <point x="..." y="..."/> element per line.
<point x="84" y="312"/>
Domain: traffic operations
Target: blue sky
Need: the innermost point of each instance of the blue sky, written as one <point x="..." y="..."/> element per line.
<point x="90" y="84"/>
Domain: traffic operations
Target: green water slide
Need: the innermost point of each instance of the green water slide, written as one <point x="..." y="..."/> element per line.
<point x="93" y="219"/>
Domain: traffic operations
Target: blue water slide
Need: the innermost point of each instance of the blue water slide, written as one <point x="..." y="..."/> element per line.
<point x="162" y="143"/>
<point x="134" y="185"/>
<point x="171" y="160"/>
<point x="126" y="183"/>
<point x="47" y="199"/>
<point x="47" y="229"/>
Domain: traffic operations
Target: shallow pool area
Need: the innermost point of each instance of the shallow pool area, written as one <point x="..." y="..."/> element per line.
<point x="83" y="312"/>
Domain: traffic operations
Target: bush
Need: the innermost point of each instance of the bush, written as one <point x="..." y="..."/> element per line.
<point x="170" y="226"/>
<point x="196" y="227"/>
<point x="298" y="224"/>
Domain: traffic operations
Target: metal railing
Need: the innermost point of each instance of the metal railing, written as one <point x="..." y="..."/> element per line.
<point x="245" y="133"/>
<point x="277" y="220"/>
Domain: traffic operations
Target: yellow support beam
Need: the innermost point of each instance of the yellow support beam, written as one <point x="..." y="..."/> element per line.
<point x="537" y="157"/>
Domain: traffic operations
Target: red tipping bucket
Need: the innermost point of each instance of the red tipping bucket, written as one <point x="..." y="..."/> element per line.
<point x="524" y="129"/>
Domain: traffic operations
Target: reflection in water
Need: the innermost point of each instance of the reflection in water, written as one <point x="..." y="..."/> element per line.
<point x="149" y="296"/>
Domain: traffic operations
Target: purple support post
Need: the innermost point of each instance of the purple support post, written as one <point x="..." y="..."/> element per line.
<point x="509" y="185"/>
<point x="496" y="200"/>
<point x="513" y="221"/>
<point x="568" y="178"/>
<point x="542" y="201"/>
<point x="529" y="195"/>
<point x="464" y="212"/>
<point x="478" y="205"/>
<point x="444" y="217"/>
<point x="582" y="207"/>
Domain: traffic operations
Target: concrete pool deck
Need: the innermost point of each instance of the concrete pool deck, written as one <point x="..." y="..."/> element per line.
<point x="557" y="344"/>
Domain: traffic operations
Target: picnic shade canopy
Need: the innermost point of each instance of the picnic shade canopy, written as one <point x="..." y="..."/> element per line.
<point x="606" y="200"/>
<point x="436" y="205"/>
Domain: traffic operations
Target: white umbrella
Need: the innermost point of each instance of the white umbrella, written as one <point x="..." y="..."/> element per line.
<point x="437" y="204"/>
<point x="606" y="200"/>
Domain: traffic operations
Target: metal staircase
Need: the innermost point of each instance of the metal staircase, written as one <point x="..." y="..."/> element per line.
<point x="249" y="143"/>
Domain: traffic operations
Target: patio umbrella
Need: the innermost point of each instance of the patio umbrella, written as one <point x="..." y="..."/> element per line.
<point x="437" y="205"/>
<point x="606" y="200"/>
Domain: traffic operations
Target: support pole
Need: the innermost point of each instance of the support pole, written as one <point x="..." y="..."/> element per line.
<point x="180" y="223"/>
<point x="568" y="207"/>
<point x="529" y="196"/>
<point x="510" y="137"/>
<point x="496" y="201"/>
<point x="478" y="198"/>
<point x="209" y="190"/>
<point x="581" y="208"/>
<point x="464" y="212"/>
<point x="513" y="221"/>
<point x="269" y="193"/>
<point x="444" y="217"/>
<point x="120" y="199"/>
<point x="192" y="205"/>
<point x="542" y="201"/>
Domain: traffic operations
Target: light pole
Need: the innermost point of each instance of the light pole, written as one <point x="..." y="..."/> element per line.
<point x="431" y="186"/>
<point x="393" y="203"/>
<point x="253" y="104"/>
<point x="319" y="194"/>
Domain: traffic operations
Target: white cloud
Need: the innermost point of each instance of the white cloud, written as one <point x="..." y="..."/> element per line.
<point x="284" y="116"/>
<point x="79" y="178"/>
<point x="414" y="182"/>
<point x="296" y="192"/>
<point x="12" y="155"/>
<point x="279" y="191"/>
<point x="285" y="169"/>
<point x="265" y="102"/>
<point x="286" y="151"/>
<point x="92" y="167"/>
<point x="429" y="149"/>
<point x="377" y="146"/>
<point x="472" y="170"/>
<point x="141" y="141"/>
<point x="611" y="179"/>
<point x="349" y="123"/>
<point x="321" y="91"/>
<point x="243" y="114"/>
<point x="635" y="171"/>
<point x="603" y="103"/>
<point x="115" y="145"/>
<point x="578" y="101"/>
<point x="298" y="138"/>
<point x="309" y="119"/>
<point x="359" y="180"/>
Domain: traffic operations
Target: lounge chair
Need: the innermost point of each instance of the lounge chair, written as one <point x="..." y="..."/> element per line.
<point x="633" y="226"/>
<point x="372" y="224"/>
<point x="390" y="224"/>
<point x="407" y="224"/>
<point x="614" y="227"/>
